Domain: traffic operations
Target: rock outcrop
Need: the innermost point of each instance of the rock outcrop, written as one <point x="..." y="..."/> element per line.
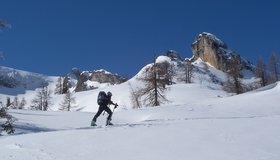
<point x="81" y="84"/>
<point x="173" y="55"/>
<point x="211" y="49"/>
<point x="103" y="76"/>
<point x="81" y="80"/>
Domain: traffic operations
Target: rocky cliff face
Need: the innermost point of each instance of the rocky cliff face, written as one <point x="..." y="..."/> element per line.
<point x="214" y="51"/>
<point x="103" y="76"/>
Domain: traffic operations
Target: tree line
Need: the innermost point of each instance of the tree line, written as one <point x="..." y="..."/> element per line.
<point x="266" y="74"/>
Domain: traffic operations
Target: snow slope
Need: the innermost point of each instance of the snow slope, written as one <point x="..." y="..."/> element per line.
<point x="202" y="124"/>
<point x="204" y="75"/>
<point x="20" y="80"/>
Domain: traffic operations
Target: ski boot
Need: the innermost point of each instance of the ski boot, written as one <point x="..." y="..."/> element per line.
<point x="93" y="123"/>
<point x="108" y="123"/>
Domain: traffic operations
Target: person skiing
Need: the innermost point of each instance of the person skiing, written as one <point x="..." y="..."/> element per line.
<point x="103" y="101"/>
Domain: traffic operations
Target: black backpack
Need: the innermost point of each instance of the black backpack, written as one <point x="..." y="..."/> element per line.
<point x="102" y="98"/>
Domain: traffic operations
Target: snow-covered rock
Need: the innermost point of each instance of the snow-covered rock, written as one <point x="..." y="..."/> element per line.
<point x="211" y="49"/>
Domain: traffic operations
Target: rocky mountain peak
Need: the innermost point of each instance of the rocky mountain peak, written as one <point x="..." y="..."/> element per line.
<point x="211" y="49"/>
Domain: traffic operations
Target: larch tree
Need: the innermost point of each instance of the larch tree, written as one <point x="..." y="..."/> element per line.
<point x="273" y="67"/>
<point x="233" y="83"/>
<point x="188" y="68"/>
<point x="135" y="97"/>
<point x="155" y="85"/>
<point x="68" y="102"/>
<point x="59" y="86"/>
<point x="42" y="101"/>
<point x="260" y="72"/>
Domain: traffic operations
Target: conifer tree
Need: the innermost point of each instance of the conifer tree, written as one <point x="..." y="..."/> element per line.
<point x="15" y="103"/>
<point x="8" y="103"/>
<point x="22" y="103"/>
<point x="7" y="125"/>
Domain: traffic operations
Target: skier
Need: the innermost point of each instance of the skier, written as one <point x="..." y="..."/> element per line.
<point x="103" y="101"/>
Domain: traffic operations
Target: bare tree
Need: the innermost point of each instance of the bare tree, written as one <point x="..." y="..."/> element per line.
<point x="59" y="86"/>
<point x="154" y="86"/>
<point x="66" y="84"/>
<point x="135" y="97"/>
<point x="42" y="99"/>
<point x="233" y="83"/>
<point x="167" y="71"/>
<point x="261" y="72"/>
<point x="273" y="67"/>
<point x="68" y="101"/>
<point x="188" y="71"/>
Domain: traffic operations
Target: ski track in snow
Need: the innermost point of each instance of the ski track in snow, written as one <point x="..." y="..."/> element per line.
<point x="31" y="129"/>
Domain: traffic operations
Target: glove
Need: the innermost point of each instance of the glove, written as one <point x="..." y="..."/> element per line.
<point x="116" y="105"/>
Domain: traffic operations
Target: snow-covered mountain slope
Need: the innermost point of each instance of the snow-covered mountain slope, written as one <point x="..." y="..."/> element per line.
<point x="202" y="125"/>
<point x="204" y="75"/>
<point x="14" y="81"/>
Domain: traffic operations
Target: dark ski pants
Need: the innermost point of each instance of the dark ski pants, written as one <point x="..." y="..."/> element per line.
<point x="100" y="110"/>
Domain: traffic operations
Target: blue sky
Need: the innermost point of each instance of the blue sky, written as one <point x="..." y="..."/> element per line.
<point x="53" y="36"/>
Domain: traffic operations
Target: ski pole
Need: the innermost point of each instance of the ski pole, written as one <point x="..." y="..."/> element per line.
<point x="116" y="105"/>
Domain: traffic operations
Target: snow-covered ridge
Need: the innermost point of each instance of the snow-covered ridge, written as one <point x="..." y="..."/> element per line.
<point x="212" y="37"/>
<point x="19" y="78"/>
<point x="13" y="72"/>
